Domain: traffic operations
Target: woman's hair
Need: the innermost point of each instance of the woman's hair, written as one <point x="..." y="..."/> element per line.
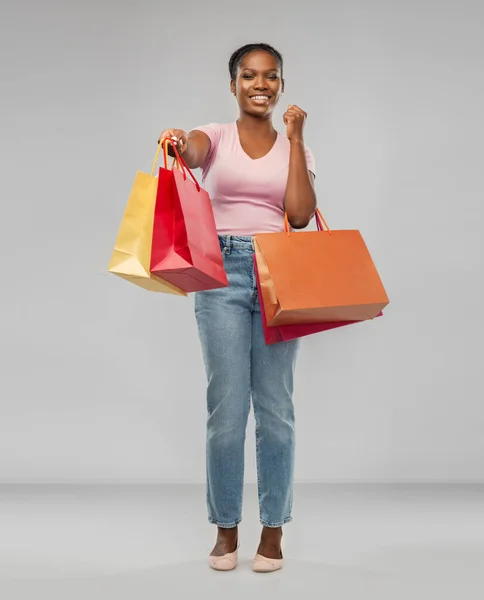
<point x="239" y="54"/>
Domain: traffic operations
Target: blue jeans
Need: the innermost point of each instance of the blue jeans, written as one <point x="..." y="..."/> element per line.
<point x="239" y="365"/>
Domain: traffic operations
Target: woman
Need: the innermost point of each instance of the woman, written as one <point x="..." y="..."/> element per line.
<point x="252" y="174"/>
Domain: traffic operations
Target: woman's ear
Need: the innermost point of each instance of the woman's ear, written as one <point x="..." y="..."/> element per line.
<point x="232" y="87"/>
<point x="282" y="88"/>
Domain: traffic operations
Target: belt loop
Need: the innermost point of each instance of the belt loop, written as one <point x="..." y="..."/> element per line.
<point x="227" y="244"/>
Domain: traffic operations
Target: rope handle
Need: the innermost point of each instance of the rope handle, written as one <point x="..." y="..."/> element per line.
<point x="178" y="160"/>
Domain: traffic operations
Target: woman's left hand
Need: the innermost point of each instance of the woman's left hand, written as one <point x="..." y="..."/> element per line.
<point x="294" y="118"/>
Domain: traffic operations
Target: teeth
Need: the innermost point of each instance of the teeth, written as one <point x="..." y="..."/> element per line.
<point x="260" y="97"/>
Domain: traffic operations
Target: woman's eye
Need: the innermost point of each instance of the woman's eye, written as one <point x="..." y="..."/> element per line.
<point x="272" y="77"/>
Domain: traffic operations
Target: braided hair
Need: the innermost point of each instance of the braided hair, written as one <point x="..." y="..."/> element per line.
<point x="239" y="54"/>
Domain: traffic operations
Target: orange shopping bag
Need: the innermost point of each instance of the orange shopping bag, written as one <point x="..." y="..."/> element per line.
<point x="284" y="333"/>
<point x="317" y="276"/>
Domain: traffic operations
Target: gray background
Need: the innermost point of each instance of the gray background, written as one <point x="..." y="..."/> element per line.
<point x="103" y="381"/>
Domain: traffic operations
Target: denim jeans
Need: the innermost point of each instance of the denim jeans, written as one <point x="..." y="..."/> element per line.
<point x="240" y="366"/>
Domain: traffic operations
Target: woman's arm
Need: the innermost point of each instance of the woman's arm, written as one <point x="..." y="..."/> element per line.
<point x="300" y="198"/>
<point x="193" y="146"/>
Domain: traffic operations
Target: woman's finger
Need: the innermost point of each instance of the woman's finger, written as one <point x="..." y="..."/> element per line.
<point x="165" y="134"/>
<point x="296" y="110"/>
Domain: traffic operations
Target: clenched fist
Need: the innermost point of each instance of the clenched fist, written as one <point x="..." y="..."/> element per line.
<point x="294" y="119"/>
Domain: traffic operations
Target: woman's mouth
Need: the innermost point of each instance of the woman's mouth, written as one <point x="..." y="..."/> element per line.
<point x="260" y="99"/>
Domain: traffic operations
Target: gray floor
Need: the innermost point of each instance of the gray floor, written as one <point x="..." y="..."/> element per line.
<point x="389" y="542"/>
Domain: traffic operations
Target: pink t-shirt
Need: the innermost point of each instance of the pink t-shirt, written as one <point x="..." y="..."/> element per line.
<point x="247" y="195"/>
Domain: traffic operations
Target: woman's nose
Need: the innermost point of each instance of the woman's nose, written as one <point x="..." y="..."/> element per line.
<point x="260" y="84"/>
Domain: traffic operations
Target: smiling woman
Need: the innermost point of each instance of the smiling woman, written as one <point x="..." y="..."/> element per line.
<point x="256" y="80"/>
<point x="246" y="68"/>
<point x="254" y="175"/>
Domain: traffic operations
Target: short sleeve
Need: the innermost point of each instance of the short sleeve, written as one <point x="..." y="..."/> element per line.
<point x="213" y="132"/>
<point x="310" y="161"/>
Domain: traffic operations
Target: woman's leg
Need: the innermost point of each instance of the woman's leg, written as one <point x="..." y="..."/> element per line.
<point x="273" y="368"/>
<point x="225" y="323"/>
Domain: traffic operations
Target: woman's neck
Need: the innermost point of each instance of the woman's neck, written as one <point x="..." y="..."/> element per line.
<point x="255" y="125"/>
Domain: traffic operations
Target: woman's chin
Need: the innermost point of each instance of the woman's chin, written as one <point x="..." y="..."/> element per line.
<point x="259" y="111"/>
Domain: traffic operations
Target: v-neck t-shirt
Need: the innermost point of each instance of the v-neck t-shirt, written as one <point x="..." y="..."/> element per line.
<point x="247" y="194"/>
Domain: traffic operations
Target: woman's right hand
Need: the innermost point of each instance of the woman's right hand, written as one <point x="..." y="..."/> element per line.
<point x="181" y="139"/>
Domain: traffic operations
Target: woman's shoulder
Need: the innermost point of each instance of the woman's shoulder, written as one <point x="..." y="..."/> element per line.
<point x="215" y="127"/>
<point x="285" y="143"/>
<point x="285" y="140"/>
<point x="217" y="132"/>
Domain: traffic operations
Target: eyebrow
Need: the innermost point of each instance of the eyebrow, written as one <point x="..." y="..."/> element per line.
<point x="267" y="71"/>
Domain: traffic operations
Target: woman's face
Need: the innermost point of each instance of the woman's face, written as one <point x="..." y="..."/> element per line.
<point x="258" y="86"/>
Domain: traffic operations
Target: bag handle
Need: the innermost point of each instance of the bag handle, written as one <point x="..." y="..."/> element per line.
<point x="320" y="222"/>
<point x="183" y="165"/>
<point x="179" y="160"/>
<point x="165" y="154"/>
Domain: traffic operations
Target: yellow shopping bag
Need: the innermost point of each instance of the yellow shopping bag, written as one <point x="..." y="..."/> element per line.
<point x="132" y="251"/>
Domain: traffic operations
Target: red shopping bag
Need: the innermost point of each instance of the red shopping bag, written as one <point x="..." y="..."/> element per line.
<point x="185" y="248"/>
<point x="284" y="333"/>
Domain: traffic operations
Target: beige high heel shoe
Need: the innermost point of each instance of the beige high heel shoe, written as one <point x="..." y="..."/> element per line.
<point x="262" y="564"/>
<point x="226" y="562"/>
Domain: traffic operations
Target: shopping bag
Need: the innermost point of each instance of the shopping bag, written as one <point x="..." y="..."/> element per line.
<point x="317" y="276"/>
<point x="284" y="333"/>
<point x="185" y="246"/>
<point x="132" y="251"/>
